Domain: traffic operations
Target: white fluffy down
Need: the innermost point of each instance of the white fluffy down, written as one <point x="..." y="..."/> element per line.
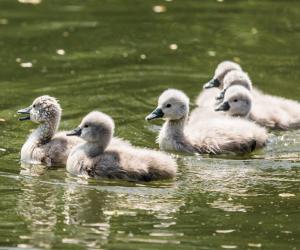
<point x="118" y="161"/>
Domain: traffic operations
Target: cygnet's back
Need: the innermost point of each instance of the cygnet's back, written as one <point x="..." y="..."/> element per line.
<point x="224" y="134"/>
<point x="95" y="158"/>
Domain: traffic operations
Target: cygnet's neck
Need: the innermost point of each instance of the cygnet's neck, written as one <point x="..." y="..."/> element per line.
<point x="45" y="131"/>
<point x="171" y="133"/>
<point x="176" y="126"/>
<point x="246" y="116"/>
<point x="96" y="148"/>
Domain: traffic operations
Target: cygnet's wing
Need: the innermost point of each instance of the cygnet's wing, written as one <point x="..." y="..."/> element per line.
<point x="58" y="149"/>
<point x="226" y="134"/>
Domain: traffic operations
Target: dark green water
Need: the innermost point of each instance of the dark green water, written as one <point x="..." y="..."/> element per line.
<point x="118" y="59"/>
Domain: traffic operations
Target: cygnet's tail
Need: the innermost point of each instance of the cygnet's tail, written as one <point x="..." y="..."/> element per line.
<point x="248" y="138"/>
<point x="161" y="166"/>
<point x="295" y="125"/>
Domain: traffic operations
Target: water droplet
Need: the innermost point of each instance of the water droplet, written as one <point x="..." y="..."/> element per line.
<point x="173" y="46"/>
<point x="159" y="8"/>
<point x="26" y="65"/>
<point x="254" y="244"/>
<point x="143" y="56"/>
<point x="254" y="31"/>
<point x="225" y="231"/>
<point x="211" y="53"/>
<point x="237" y="59"/>
<point x="60" y="52"/>
<point x="30" y="1"/>
<point x="18" y="60"/>
<point x="229" y="246"/>
<point x="286" y="195"/>
<point x="3" y="149"/>
<point x="65" y="34"/>
<point x="3" y="21"/>
<point x="2" y="120"/>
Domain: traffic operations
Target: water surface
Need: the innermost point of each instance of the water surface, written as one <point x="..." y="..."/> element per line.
<point x="117" y="57"/>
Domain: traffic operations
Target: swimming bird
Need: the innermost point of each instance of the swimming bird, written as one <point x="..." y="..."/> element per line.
<point x="237" y="101"/>
<point x="45" y="145"/>
<point x="266" y="110"/>
<point x="222" y="69"/>
<point x="232" y="78"/>
<point x="211" y="90"/>
<point x="93" y="158"/>
<point x="210" y="134"/>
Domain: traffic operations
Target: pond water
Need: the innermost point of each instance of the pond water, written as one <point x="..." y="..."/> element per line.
<point x="118" y="56"/>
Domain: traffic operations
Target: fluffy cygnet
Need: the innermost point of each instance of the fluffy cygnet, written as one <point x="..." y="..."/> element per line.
<point x="92" y="158"/>
<point x="232" y="78"/>
<point x="206" y="98"/>
<point x="45" y="145"/>
<point x="218" y="134"/>
<point x="270" y="111"/>
<point x="222" y="69"/>
<point x="237" y="101"/>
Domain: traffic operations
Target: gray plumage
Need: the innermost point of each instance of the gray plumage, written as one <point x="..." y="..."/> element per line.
<point x="270" y="111"/>
<point x="209" y="133"/>
<point x="237" y="101"/>
<point x="93" y="158"/>
<point x="45" y="145"/>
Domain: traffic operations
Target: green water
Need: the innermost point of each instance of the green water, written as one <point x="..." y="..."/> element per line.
<point x="118" y="60"/>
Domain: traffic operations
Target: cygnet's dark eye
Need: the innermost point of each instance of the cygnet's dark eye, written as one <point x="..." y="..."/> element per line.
<point x="86" y="126"/>
<point x="168" y="105"/>
<point x="34" y="105"/>
<point x="235" y="100"/>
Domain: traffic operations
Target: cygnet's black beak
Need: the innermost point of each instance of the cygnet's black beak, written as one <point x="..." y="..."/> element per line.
<point x="157" y="113"/>
<point x="25" y="111"/>
<point x="214" y="83"/>
<point x="223" y="107"/>
<point x="221" y="95"/>
<point x="75" y="132"/>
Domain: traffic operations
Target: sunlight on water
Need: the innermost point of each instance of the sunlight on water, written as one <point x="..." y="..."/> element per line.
<point x="117" y="57"/>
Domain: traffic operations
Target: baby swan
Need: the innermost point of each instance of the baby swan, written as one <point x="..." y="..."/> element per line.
<point x="217" y="134"/>
<point x="232" y="78"/>
<point x="237" y="101"/>
<point x="92" y="158"/>
<point x="45" y="145"/>
<point x="266" y="110"/>
<point x="220" y="72"/>
<point x="206" y="98"/>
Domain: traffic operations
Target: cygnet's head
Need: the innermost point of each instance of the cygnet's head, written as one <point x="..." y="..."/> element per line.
<point x="95" y="127"/>
<point x="172" y="105"/>
<point x="222" y="69"/>
<point x="43" y="109"/>
<point x="235" y="77"/>
<point x="237" y="101"/>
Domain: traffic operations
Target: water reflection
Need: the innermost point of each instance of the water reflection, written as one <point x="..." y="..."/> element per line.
<point x="118" y="57"/>
<point x="90" y="212"/>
